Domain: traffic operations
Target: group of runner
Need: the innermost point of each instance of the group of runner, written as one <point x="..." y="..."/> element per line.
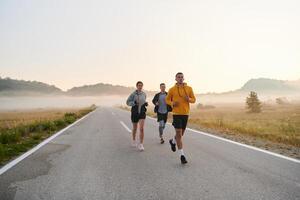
<point x="177" y="100"/>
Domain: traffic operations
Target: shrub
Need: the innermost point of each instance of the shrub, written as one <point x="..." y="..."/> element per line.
<point x="59" y="123"/>
<point x="36" y="136"/>
<point x="1" y="151"/>
<point x="47" y="126"/>
<point x="70" y="115"/>
<point x="24" y="130"/>
<point x="10" y="136"/>
<point x="35" y="126"/>
<point x="4" y="138"/>
<point x="70" y="118"/>
<point x="253" y="103"/>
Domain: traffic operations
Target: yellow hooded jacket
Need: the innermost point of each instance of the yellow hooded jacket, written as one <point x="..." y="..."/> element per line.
<point x="178" y="94"/>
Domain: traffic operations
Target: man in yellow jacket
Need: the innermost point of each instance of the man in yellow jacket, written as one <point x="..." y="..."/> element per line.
<point x="179" y="98"/>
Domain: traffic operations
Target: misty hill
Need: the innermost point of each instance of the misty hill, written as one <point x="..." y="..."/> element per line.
<point x="20" y="87"/>
<point x="99" y="89"/>
<point x="267" y="90"/>
<point x="13" y="87"/>
<point x="271" y="85"/>
<point x="102" y="89"/>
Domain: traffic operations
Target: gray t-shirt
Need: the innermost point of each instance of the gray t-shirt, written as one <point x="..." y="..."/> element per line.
<point x="162" y="107"/>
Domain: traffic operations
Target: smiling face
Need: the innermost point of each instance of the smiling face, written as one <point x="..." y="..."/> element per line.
<point x="179" y="78"/>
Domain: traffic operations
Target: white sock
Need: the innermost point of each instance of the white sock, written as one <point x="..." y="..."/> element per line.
<point x="181" y="152"/>
<point x="174" y="141"/>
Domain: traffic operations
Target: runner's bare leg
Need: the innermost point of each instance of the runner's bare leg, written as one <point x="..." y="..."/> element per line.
<point x="134" y="129"/>
<point x="178" y="138"/>
<point x="141" y="125"/>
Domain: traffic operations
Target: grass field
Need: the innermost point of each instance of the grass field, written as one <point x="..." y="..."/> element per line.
<point x="21" y="130"/>
<point x="279" y="124"/>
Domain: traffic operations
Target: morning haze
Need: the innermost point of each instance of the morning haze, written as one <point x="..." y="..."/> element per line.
<point x="218" y="45"/>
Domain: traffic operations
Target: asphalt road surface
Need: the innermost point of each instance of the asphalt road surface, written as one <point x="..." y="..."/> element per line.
<point x="94" y="160"/>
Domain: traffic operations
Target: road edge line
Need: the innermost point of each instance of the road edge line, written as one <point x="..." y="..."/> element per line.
<point x="15" y="161"/>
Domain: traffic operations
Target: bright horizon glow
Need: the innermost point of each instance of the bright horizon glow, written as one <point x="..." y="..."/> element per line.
<point x="218" y="45"/>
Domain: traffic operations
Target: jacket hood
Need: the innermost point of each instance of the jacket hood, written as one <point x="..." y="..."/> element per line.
<point x="184" y="84"/>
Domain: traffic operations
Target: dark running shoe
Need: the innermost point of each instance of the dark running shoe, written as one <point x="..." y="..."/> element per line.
<point x="173" y="146"/>
<point x="183" y="160"/>
<point x="162" y="140"/>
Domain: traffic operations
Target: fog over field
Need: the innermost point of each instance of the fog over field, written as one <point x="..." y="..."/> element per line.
<point x="17" y="103"/>
<point x="28" y="102"/>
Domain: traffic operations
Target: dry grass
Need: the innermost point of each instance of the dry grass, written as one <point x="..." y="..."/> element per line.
<point x="279" y="124"/>
<point x="11" y="119"/>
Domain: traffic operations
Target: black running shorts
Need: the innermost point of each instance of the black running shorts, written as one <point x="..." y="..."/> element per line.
<point x="163" y="117"/>
<point x="180" y="121"/>
<point x="135" y="117"/>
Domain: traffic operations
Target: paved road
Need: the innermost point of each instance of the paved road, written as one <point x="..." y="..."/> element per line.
<point x="94" y="160"/>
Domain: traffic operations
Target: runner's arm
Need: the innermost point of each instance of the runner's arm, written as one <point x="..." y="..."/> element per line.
<point x="192" y="96"/>
<point x="130" y="100"/>
<point x="154" y="100"/>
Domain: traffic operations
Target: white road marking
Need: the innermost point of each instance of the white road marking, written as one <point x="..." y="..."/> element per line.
<point x="126" y="127"/>
<point x="34" y="149"/>
<point x="247" y="146"/>
<point x="240" y="144"/>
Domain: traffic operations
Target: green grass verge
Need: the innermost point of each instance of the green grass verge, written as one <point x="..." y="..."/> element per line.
<point x="21" y="138"/>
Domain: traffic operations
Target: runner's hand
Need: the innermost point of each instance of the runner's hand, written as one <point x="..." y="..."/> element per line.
<point x="146" y="104"/>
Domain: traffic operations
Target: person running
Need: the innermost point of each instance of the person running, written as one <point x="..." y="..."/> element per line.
<point x="179" y="98"/>
<point x="137" y="101"/>
<point x="162" y="109"/>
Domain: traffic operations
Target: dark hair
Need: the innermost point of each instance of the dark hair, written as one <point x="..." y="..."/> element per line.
<point x="139" y="83"/>
<point x="162" y="84"/>
<point x="179" y="73"/>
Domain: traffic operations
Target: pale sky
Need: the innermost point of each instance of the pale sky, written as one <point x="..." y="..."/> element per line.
<point x="217" y="44"/>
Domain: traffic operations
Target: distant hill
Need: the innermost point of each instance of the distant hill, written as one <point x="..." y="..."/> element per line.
<point x="100" y="89"/>
<point x="267" y="90"/>
<point x="13" y="87"/>
<point x="271" y="85"/>
<point x="264" y="87"/>
<point x="20" y="87"/>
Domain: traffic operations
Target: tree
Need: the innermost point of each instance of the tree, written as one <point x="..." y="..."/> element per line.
<point x="253" y="103"/>
<point x="282" y="101"/>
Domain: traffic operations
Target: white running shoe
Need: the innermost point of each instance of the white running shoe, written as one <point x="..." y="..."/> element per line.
<point x="141" y="147"/>
<point x="133" y="143"/>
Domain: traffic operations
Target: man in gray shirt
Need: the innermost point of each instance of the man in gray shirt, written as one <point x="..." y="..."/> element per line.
<point x="162" y="109"/>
